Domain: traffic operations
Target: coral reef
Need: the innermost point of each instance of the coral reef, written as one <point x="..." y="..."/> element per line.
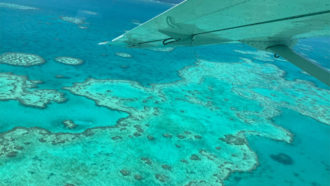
<point x="88" y="12"/>
<point x="69" y="124"/>
<point x="13" y="87"/>
<point x="124" y="55"/>
<point x="69" y="60"/>
<point x="21" y="59"/>
<point x="74" y="20"/>
<point x="282" y="158"/>
<point x="16" y="6"/>
<point x="192" y="131"/>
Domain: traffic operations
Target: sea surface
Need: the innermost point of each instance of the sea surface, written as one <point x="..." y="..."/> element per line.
<point x="75" y="110"/>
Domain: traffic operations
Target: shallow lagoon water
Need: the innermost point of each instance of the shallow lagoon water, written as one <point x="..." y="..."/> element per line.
<point x="154" y="117"/>
<point x="309" y="152"/>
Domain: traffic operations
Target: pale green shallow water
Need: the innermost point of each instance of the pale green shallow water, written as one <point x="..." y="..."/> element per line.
<point x="201" y="116"/>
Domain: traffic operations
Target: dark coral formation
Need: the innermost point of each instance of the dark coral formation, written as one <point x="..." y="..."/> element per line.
<point x="161" y="177"/>
<point x="125" y="172"/>
<point x="282" y="158"/>
<point x="138" y="177"/>
<point x="195" y="157"/>
<point x="167" y="167"/>
<point x="151" y="138"/>
<point x="146" y="160"/>
<point x="233" y="140"/>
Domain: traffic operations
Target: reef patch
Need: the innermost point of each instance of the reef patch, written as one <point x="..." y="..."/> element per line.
<point x="14" y="87"/>
<point x="21" y="59"/>
<point x="88" y="12"/>
<point x="69" y="60"/>
<point x="74" y="20"/>
<point x="282" y="158"/>
<point x="123" y="54"/>
<point x="16" y="6"/>
<point x="70" y="124"/>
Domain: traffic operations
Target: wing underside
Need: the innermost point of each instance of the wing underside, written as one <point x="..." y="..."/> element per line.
<point x="198" y="22"/>
<point x="263" y="24"/>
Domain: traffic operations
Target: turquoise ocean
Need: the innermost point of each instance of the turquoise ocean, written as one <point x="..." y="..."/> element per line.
<point x="208" y="115"/>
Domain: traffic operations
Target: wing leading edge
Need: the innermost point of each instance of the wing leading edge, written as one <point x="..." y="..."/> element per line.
<point x="263" y="24"/>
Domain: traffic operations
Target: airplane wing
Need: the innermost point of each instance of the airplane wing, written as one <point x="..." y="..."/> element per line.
<point x="265" y="24"/>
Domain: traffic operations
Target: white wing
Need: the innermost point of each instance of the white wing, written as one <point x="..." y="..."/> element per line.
<point x="263" y="24"/>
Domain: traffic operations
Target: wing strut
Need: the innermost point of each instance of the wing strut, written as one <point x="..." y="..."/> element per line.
<point x="301" y="62"/>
